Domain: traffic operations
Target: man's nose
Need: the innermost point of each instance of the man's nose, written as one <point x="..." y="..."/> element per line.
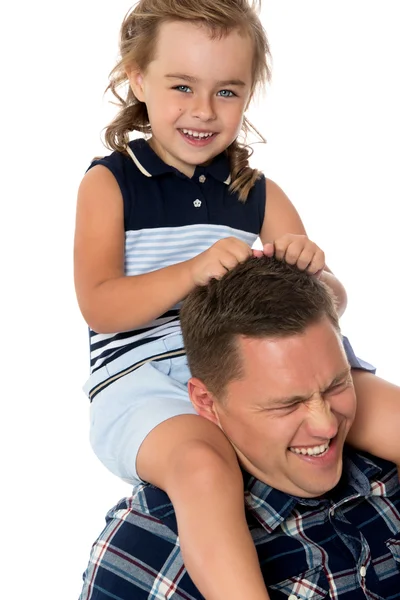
<point x="321" y="421"/>
<point x="203" y="108"/>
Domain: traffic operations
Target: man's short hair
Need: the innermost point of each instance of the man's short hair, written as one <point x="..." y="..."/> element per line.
<point x="259" y="298"/>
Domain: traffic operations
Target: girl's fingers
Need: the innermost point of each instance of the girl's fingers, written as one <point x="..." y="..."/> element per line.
<point x="269" y="249"/>
<point x="280" y="248"/>
<point x="258" y="253"/>
<point x="318" y="273"/>
<point x="293" y="252"/>
<point x="317" y="264"/>
<point x="296" y="250"/>
<point x="305" y="259"/>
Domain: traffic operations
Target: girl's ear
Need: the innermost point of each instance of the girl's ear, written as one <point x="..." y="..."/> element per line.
<point x="202" y="400"/>
<point x="135" y="77"/>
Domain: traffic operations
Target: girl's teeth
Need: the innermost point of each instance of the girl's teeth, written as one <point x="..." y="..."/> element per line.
<point x="196" y="134"/>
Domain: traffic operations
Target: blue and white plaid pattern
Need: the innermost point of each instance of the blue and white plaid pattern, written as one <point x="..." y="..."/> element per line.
<point x="345" y="546"/>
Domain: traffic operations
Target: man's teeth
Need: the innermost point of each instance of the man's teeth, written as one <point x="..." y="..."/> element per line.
<point x="313" y="451"/>
<point x="197" y="134"/>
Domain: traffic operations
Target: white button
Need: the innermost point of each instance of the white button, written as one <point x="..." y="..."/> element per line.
<point x="202" y="178"/>
<point x="331" y="512"/>
<point x="293" y="597"/>
<point x="197" y="203"/>
<point x="363" y="571"/>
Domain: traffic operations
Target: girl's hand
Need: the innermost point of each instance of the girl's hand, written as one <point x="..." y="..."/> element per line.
<point x="221" y="257"/>
<point x="297" y="250"/>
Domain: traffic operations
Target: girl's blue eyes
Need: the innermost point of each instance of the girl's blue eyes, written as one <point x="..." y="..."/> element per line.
<point x="226" y="94"/>
<point x="182" y="88"/>
<point x="223" y="93"/>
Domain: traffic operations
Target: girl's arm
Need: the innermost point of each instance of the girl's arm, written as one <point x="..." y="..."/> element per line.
<point x="109" y="300"/>
<point x="282" y="218"/>
<point x="376" y="427"/>
<point x="337" y="288"/>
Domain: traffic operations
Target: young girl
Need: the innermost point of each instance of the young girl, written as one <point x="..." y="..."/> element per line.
<point x="158" y="217"/>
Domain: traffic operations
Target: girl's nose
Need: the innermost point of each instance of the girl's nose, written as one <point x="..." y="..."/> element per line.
<point x="203" y="109"/>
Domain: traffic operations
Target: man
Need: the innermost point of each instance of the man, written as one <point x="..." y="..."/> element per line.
<point x="269" y="368"/>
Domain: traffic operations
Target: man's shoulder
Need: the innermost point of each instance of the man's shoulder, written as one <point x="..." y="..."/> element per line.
<point x="137" y="555"/>
<point x="146" y="504"/>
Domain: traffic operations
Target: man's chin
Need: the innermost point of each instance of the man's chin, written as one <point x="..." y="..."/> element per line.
<point x="308" y="482"/>
<point x="291" y="481"/>
<point x="316" y="489"/>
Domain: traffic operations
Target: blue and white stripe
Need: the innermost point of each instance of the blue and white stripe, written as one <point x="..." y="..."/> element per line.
<point x="151" y="249"/>
<point x="148" y="250"/>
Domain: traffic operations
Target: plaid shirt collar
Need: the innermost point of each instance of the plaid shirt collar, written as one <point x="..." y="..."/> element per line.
<point x="271" y="507"/>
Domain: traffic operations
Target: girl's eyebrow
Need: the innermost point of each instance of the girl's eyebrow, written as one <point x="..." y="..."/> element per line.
<point x="191" y="79"/>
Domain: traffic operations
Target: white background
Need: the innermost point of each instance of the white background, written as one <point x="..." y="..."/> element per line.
<point x="331" y="117"/>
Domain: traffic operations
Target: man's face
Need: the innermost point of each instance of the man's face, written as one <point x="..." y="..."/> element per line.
<point x="289" y="415"/>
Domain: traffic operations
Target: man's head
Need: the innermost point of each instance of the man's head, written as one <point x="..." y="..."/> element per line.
<point x="268" y="366"/>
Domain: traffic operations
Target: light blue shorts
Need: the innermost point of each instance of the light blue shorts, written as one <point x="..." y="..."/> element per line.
<point x="133" y="394"/>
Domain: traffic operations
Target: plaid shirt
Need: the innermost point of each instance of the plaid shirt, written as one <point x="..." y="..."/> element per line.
<point x="345" y="545"/>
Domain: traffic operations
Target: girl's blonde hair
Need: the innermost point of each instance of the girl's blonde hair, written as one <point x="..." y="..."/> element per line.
<point x="138" y="39"/>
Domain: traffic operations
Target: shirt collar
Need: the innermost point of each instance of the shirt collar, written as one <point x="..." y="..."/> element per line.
<point x="271" y="507"/>
<point x="151" y="165"/>
<point x="364" y="474"/>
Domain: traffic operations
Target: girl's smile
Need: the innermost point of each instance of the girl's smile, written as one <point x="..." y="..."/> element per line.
<point x="198" y="138"/>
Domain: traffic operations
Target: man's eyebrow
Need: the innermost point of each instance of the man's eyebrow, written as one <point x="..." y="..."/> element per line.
<point x="273" y="402"/>
<point x="338" y="379"/>
<point x="189" y="78"/>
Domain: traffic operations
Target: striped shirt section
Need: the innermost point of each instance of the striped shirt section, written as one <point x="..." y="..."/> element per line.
<point x="147" y="250"/>
<point x="343" y="546"/>
<point x="151" y="249"/>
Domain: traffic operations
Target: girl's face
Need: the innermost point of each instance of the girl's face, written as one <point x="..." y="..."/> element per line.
<point x="196" y="91"/>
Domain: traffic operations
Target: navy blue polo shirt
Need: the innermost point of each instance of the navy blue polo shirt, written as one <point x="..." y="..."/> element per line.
<point x="170" y="218"/>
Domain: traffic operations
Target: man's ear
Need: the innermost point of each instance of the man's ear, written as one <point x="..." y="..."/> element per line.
<point x="202" y="400"/>
<point x="135" y="77"/>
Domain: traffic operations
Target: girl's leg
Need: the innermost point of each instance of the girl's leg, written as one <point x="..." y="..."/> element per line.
<point x="377" y="423"/>
<point x="194" y="463"/>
